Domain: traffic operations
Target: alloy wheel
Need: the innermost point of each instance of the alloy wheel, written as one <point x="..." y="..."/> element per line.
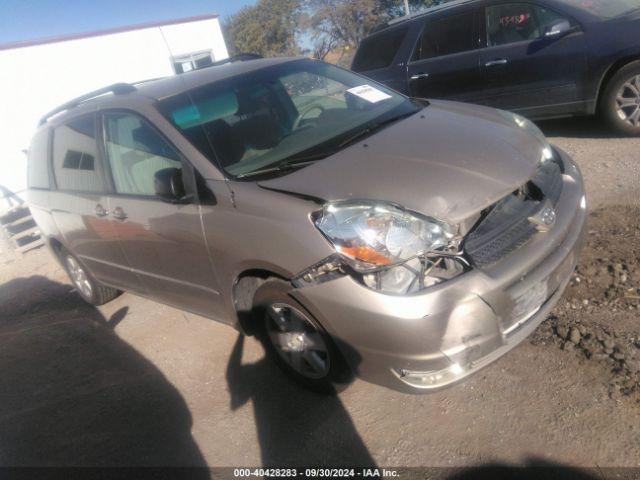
<point x="628" y="102"/>
<point x="79" y="277"/>
<point x="297" y="341"/>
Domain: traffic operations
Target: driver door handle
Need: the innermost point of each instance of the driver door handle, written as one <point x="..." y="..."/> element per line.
<point x="498" y="61"/>
<point x="119" y="214"/>
<point x="419" y="76"/>
<point x="100" y="211"/>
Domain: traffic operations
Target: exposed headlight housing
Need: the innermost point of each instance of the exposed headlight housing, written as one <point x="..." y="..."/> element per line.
<point x="390" y="249"/>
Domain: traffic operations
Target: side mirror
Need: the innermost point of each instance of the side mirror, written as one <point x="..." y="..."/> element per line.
<point x="169" y="186"/>
<point x="557" y="28"/>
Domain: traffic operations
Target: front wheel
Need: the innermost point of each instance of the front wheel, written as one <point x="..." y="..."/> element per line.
<point x="621" y="100"/>
<point x="88" y="287"/>
<point x="296" y="342"/>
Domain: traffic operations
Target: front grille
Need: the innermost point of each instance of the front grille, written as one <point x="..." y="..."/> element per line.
<point x="506" y="226"/>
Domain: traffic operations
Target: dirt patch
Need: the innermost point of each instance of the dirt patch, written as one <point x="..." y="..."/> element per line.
<point x="597" y="319"/>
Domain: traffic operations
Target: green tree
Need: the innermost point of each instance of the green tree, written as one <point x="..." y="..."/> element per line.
<point x="340" y="22"/>
<point x="267" y="28"/>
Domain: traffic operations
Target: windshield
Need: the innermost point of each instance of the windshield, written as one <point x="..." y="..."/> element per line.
<point x="606" y="8"/>
<point x="277" y="115"/>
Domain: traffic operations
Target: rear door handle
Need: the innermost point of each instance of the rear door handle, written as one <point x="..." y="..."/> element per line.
<point x="100" y="211"/>
<point x="419" y="76"/>
<point x="119" y="214"/>
<point x="499" y="61"/>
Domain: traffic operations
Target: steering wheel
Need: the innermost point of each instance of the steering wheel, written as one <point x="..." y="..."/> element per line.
<point x="304" y="113"/>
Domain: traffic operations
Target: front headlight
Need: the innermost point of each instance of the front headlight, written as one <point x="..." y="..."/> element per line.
<point x="394" y="250"/>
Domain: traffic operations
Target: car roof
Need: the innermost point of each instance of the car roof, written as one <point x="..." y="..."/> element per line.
<point x="423" y="13"/>
<point x="175" y="84"/>
<point x="161" y="88"/>
<point x="455" y="4"/>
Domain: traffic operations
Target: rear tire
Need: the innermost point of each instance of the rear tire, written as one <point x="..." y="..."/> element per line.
<point x="87" y="286"/>
<point x="296" y="342"/>
<point x="620" y="103"/>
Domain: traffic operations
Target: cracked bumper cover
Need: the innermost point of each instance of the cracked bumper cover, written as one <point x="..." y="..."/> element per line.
<point x="432" y="339"/>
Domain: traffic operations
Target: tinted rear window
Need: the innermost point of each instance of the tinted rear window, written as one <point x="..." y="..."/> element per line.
<point x="38" y="163"/>
<point x="379" y="51"/>
<point x="447" y="36"/>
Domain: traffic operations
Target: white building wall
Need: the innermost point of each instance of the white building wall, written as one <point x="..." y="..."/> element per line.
<point x="36" y="79"/>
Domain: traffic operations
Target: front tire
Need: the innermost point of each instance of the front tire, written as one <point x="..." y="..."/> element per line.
<point x="620" y="104"/>
<point x="296" y="342"/>
<point x="87" y="286"/>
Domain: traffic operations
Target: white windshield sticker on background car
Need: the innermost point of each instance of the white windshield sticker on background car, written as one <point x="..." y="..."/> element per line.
<point x="368" y="93"/>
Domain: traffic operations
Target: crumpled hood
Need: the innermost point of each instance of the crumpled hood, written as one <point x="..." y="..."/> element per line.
<point x="448" y="161"/>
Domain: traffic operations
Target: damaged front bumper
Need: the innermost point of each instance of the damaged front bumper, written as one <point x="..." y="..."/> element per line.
<point x="431" y="339"/>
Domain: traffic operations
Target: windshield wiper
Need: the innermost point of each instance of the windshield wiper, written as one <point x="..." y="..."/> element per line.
<point x="372" y="127"/>
<point x="294" y="162"/>
<point x="282" y="167"/>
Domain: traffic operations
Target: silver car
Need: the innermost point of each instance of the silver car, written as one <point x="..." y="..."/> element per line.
<point x="354" y="230"/>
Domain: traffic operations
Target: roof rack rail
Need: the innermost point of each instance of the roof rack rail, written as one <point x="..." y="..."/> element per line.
<point x="116" y="89"/>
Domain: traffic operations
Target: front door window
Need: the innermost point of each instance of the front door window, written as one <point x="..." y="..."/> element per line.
<point x="518" y="22"/>
<point x="136" y="151"/>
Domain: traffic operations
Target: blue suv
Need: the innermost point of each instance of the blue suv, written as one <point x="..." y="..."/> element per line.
<point x="539" y="58"/>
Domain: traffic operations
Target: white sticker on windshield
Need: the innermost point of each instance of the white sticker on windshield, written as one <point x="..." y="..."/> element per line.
<point x="368" y="93"/>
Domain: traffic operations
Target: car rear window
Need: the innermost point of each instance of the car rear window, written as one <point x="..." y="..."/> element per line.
<point x="38" y="162"/>
<point x="446" y="36"/>
<point x="378" y="51"/>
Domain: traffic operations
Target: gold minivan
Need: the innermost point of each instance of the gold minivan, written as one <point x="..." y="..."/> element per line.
<point x="355" y="230"/>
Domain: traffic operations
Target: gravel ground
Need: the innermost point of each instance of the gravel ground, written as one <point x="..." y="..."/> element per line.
<point x="138" y="383"/>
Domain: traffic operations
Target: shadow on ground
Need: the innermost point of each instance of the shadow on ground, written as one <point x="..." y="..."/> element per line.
<point x="533" y="469"/>
<point x="74" y="394"/>
<point x="579" y="127"/>
<point x="295" y="427"/>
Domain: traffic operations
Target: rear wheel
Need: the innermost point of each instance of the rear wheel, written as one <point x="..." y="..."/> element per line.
<point x="88" y="287"/>
<point x="296" y="342"/>
<point x="621" y="100"/>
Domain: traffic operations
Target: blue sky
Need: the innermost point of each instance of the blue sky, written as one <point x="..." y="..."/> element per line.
<point x="32" y="19"/>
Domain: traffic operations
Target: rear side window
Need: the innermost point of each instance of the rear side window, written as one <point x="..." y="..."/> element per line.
<point x="38" y="162"/>
<point x="447" y="36"/>
<point x="136" y="153"/>
<point x="76" y="164"/>
<point x="378" y="51"/>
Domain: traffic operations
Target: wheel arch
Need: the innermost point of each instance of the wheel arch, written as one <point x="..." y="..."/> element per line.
<point x="244" y="289"/>
<point x="56" y="247"/>
<point x="610" y="73"/>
